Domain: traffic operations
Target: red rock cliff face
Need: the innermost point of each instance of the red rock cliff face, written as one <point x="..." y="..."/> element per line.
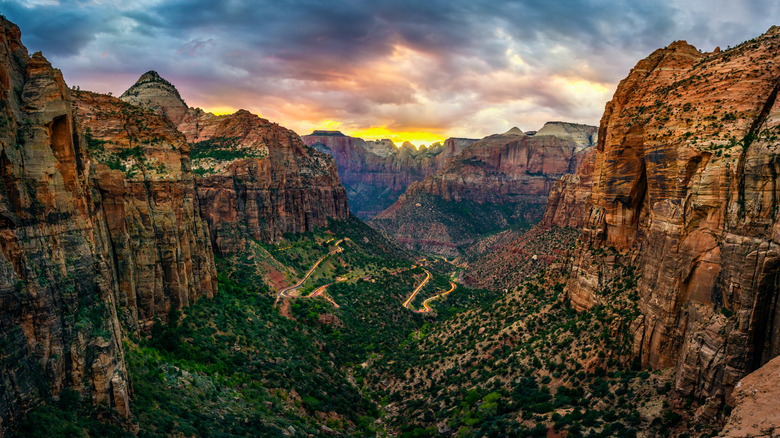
<point x="255" y="178"/>
<point x="58" y="324"/>
<point x="282" y="187"/>
<point x="161" y="246"/>
<point x="375" y="181"/>
<point x="506" y="177"/>
<point x="570" y="197"/>
<point x="685" y="187"/>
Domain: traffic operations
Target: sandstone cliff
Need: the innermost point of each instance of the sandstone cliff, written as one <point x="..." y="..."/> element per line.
<point x="685" y="189"/>
<point x="376" y="173"/>
<point x="160" y="245"/>
<point x="501" y="180"/>
<point x="58" y="322"/>
<point x="254" y="178"/>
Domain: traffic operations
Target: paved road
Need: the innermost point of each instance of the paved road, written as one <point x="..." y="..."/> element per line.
<point x="426" y="308"/>
<point x="417" y="289"/>
<point x="286" y="291"/>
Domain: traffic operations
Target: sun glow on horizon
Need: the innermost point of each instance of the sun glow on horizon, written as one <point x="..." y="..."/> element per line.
<point x="417" y="138"/>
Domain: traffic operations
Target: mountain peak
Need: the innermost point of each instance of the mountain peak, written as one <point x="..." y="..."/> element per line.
<point x="153" y="92"/>
<point x="514" y="131"/>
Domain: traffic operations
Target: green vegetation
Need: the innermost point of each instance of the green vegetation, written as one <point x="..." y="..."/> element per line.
<point x="219" y="149"/>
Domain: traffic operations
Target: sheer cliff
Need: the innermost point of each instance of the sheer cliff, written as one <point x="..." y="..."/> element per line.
<point x="160" y="244"/>
<point x="685" y="191"/>
<point x="58" y="297"/>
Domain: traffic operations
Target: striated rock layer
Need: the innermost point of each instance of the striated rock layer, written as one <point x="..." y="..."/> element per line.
<point x="496" y="182"/>
<point x="290" y="189"/>
<point x="685" y="188"/>
<point x="141" y="167"/>
<point x="255" y="179"/>
<point x="58" y="295"/>
<point x="375" y="173"/>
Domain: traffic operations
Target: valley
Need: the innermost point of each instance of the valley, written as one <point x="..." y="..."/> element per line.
<point x="169" y="271"/>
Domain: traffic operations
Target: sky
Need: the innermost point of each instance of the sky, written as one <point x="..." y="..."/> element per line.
<point x="417" y="70"/>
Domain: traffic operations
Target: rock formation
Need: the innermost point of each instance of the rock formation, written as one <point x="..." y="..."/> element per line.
<point x="569" y="199"/>
<point x="754" y="399"/>
<point x="58" y="295"/>
<point x="254" y="178"/>
<point x="153" y="92"/>
<point x="141" y="167"/>
<point x="375" y="173"/>
<point x="501" y="180"/>
<point x="685" y="189"/>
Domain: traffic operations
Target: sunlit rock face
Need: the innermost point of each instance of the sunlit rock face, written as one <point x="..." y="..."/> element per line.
<point x="376" y="173"/>
<point x="685" y="189"/>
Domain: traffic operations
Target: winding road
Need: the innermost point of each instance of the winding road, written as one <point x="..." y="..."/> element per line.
<point x="286" y="291"/>
<point x="427" y="308"/>
<point x="319" y="291"/>
<point x="417" y="289"/>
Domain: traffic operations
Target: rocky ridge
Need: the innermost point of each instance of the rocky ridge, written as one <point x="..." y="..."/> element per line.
<point x="685" y="192"/>
<point x="501" y="180"/>
<point x="254" y="178"/>
<point x="375" y="173"/>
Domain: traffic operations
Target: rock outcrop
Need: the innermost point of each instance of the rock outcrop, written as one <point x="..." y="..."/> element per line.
<point x="501" y="180"/>
<point x="582" y="135"/>
<point x="376" y="173"/>
<point x="685" y="189"/>
<point x="289" y="188"/>
<point x="754" y="399"/>
<point x="153" y="92"/>
<point x="58" y="323"/>
<point x="569" y="199"/>
<point x="255" y="179"/>
<point x="141" y="166"/>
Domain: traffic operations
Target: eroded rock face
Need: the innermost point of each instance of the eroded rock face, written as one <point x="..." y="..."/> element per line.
<point x="685" y="188"/>
<point x="570" y="197"/>
<point x="503" y="178"/>
<point x="58" y="322"/>
<point x="141" y="167"/>
<point x="255" y="179"/>
<point x="376" y="173"/>
<point x="288" y="188"/>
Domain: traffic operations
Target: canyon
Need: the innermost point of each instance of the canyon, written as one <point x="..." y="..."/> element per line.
<point x="376" y="173"/>
<point x="499" y="181"/>
<point x="621" y="280"/>
<point x="105" y="231"/>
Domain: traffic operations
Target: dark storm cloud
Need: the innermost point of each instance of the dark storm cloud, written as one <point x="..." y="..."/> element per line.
<point x="451" y="65"/>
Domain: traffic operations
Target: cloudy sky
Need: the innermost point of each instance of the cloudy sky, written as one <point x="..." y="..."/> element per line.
<point x="407" y="69"/>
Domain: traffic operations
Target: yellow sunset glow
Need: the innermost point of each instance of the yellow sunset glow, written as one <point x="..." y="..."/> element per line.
<point x="417" y="138"/>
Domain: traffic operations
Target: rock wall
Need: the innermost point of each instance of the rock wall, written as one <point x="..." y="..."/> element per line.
<point x="375" y="174"/>
<point x="58" y="295"/>
<point x="286" y="188"/>
<point x="501" y="180"/>
<point x="685" y="188"/>
<point x="141" y="167"/>
<point x="570" y="197"/>
<point x="254" y="178"/>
